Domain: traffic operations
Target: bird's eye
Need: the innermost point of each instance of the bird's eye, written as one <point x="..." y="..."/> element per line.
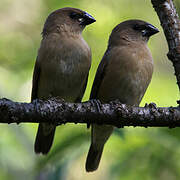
<point x="136" y="27"/>
<point x="140" y="28"/>
<point x="143" y="31"/>
<point x="76" y="16"/>
<point x="146" y="30"/>
<point x="80" y="19"/>
<point x="73" y="15"/>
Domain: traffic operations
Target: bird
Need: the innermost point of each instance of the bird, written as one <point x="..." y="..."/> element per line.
<point x="62" y="65"/>
<point x="124" y="73"/>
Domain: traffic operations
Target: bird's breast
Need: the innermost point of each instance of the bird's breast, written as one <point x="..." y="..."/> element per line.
<point x="64" y="70"/>
<point x="127" y="76"/>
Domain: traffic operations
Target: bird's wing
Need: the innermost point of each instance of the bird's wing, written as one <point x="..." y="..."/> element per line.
<point x="43" y="140"/>
<point x="80" y="96"/>
<point x="36" y="76"/>
<point x="99" y="76"/>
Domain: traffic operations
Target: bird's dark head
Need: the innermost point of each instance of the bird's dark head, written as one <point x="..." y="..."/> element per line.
<point x="67" y="19"/>
<point x="134" y="30"/>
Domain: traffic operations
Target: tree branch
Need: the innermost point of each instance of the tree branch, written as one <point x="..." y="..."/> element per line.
<point x="171" y="25"/>
<point x="59" y="112"/>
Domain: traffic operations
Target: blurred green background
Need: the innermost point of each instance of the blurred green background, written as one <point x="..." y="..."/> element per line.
<point x="131" y="153"/>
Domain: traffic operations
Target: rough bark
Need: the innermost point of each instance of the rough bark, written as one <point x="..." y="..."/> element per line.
<point x="170" y="23"/>
<point x="117" y="114"/>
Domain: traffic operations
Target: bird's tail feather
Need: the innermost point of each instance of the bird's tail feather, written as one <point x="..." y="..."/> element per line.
<point x="93" y="158"/>
<point x="99" y="135"/>
<point x="44" y="140"/>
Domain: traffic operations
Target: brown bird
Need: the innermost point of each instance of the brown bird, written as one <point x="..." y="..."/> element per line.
<point x="62" y="65"/>
<point x="124" y="73"/>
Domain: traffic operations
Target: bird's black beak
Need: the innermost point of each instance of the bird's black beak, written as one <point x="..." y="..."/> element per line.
<point x="88" y="19"/>
<point x="150" y="30"/>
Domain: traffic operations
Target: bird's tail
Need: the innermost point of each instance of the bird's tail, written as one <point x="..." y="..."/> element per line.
<point x="99" y="136"/>
<point x="93" y="158"/>
<point x="44" y="138"/>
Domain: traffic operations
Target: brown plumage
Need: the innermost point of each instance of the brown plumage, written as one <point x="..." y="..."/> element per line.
<point x="62" y="65"/>
<point x="124" y="73"/>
